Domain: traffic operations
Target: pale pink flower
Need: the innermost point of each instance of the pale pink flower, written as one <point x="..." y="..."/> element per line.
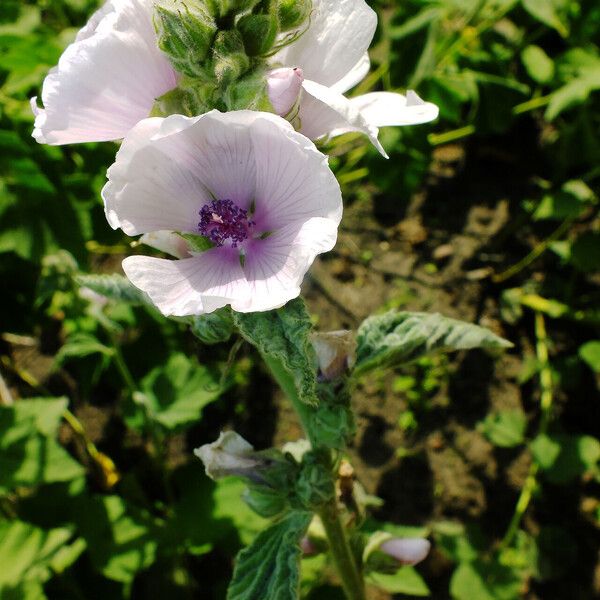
<point x="260" y="191"/>
<point x="107" y="80"/>
<point x="407" y="551"/>
<point x="332" y="54"/>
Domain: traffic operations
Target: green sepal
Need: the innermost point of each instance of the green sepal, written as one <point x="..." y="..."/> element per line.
<point x="292" y="13"/>
<point x="190" y="98"/>
<point x="333" y="419"/>
<point x="266" y="502"/>
<point x="186" y="31"/>
<point x="197" y="243"/>
<point x="248" y="93"/>
<point x="258" y="32"/>
<point x="230" y="61"/>
<point x="314" y="486"/>
<point x="213" y="328"/>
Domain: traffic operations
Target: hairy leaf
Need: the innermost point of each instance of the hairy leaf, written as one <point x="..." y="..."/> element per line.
<point x="213" y="328"/>
<point x="283" y="335"/>
<point x="269" y="569"/>
<point x="397" y="338"/>
<point x="114" y="287"/>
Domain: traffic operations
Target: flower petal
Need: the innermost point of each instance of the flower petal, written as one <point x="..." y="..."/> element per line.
<point x="168" y="242"/>
<point x="325" y="112"/>
<point x="168" y="169"/>
<point x="189" y="286"/>
<point x="276" y="266"/>
<point x="358" y="72"/>
<point x="337" y="38"/>
<point x="293" y="180"/>
<point x="150" y="186"/>
<point x="383" y="109"/>
<point x="107" y="80"/>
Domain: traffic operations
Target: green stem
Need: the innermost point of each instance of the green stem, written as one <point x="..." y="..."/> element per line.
<point x="286" y="383"/>
<point x="350" y="575"/>
<point x="349" y="572"/>
<point x="546" y="399"/>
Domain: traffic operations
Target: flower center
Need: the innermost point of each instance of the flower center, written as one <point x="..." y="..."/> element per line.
<point x="224" y="221"/>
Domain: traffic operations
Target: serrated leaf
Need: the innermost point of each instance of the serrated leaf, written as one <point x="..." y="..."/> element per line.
<point x="114" y="287"/>
<point x="176" y="393"/>
<point x="398" y="338"/>
<point x="505" y="429"/>
<point x="538" y="64"/>
<point x="405" y="581"/>
<point x="283" y="335"/>
<point x="269" y="569"/>
<point x="590" y="353"/>
<point x="28" y="552"/>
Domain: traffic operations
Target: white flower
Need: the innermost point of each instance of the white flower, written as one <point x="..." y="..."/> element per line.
<point x="107" y="80"/>
<point x="260" y="191"/>
<point x="332" y="54"/>
<point x="231" y="454"/>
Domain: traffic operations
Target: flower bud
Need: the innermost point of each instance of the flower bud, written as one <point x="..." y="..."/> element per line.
<point x="284" y="86"/>
<point x="407" y="551"/>
<point x="336" y="352"/>
<point x="185" y="33"/>
<point x="230" y="61"/>
<point x="292" y="13"/>
<point x="258" y="33"/>
<point x="231" y="454"/>
<point x="213" y="328"/>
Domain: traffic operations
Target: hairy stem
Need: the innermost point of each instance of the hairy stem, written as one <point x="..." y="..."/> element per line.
<point x="345" y="563"/>
<point x="349" y="572"/>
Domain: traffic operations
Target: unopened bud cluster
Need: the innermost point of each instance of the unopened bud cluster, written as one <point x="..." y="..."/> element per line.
<point x="221" y="47"/>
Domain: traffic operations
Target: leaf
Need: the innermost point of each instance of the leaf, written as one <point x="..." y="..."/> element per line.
<point x="505" y="429"/>
<point x="122" y="540"/>
<point x="176" y="393"/>
<point x="79" y="345"/>
<point x="114" y="287"/>
<point x="585" y="252"/>
<point x="538" y="64"/>
<point x="405" y="581"/>
<point x="564" y="457"/>
<point x="398" y="338"/>
<point x="269" y="569"/>
<point x="548" y="13"/>
<point x="29" y="553"/>
<point x="590" y="353"/>
<point x="484" y="581"/>
<point x="283" y="336"/>
<point x="29" y="455"/>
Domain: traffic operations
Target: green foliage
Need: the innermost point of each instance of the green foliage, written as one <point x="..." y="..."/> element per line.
<point x="269" y="567"/>
<point x="174" y="395"/>
<point x="29" y="452"/>
<point x="538" y="64"/>
<point x="398" y="338"/>
<point x="505" y="429"/>
<point x="590" y="353"/>
<point x="564" y="457"/>
<point x="405" y="581"/>
<point x="30" y="556"/>
<point x="114" y="287"/>
<point x="282" y="336"/>
<point x="485" y="580"/>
